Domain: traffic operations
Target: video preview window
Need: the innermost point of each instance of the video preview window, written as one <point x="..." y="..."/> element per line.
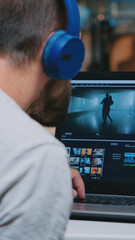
<point x="101" y="113"/>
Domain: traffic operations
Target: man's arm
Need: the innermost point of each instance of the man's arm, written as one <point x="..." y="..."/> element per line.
<point x="102" y="101"/>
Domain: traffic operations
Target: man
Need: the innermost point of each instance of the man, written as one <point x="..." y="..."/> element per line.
<point x="107" y="102"/>
<point x="35" y="187"/>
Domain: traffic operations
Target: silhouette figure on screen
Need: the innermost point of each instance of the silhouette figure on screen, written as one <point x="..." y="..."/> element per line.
<point x="107" y="102"/>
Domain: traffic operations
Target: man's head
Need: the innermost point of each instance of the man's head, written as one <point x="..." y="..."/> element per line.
<point x="25" y="26"/>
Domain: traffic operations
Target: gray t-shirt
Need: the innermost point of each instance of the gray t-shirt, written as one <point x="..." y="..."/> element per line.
<point x="35" y="182"/>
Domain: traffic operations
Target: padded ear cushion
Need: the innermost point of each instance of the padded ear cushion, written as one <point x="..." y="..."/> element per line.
<point x="62" y="56"/>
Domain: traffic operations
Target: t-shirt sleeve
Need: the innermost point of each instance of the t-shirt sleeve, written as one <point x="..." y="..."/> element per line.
<point x="37" y="195"/>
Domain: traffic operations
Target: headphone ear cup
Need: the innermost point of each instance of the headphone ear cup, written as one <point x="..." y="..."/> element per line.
<point x="62" y="56"/>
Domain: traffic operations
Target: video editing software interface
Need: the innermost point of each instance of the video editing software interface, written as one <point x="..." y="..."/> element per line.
<point x="99" y="131"/>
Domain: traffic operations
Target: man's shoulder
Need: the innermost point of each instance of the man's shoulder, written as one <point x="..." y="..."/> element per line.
<point x="17" y="128"/>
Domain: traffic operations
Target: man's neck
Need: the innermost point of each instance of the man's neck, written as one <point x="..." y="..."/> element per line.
<point x="21" y="84"/>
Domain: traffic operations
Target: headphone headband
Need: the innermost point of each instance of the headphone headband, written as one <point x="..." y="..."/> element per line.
<point x="73" y="17"/>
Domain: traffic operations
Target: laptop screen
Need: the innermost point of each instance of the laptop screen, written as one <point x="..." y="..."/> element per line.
<point x="99" y="134"/>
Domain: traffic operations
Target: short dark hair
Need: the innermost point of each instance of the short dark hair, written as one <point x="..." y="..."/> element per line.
<point x="25" y="24"/>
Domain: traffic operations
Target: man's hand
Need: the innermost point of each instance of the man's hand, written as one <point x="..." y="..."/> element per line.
<point x="78" y="185"/>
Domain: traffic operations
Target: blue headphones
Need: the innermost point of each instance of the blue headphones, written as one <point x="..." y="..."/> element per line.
<point x="63" y="53"/>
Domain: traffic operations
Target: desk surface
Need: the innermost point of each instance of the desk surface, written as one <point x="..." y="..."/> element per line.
<point x="90" y="230"/>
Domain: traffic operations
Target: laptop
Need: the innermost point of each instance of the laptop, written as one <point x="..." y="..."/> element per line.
<point x="99" y="134"/>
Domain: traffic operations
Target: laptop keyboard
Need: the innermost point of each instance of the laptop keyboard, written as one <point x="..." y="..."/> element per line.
<point x="111" y="200"/>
